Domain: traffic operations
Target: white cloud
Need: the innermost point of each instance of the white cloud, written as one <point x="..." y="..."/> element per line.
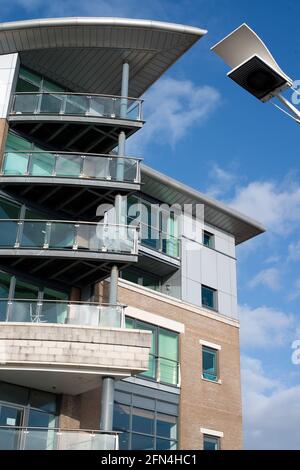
<point x="269" y="277"/>
<point x="173" y="107"/>
<point x="222" y="181"/>
<point x="265" y="327"/>
<point x="295" y="293"/>
<point x="271" y="411"/>
<point x="278" y="208"/>
<point x="294" y="251"/>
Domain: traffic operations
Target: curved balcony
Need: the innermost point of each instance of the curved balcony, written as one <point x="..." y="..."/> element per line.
<point x="73" y="253"/>
<point x="62" y="313"/>
<point x="30" y="438"/>
<point x="79" y="182"/>
<point x="75" y="121"/>
<point x="68" y="358"/>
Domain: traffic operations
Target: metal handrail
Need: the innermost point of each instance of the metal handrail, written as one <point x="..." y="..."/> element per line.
<point x="74" y="222"/>
<point x="91" y="431"/>
<point x="82" y="154"/>
<point x="68" y="302"/>
<point x="101" y="95"/>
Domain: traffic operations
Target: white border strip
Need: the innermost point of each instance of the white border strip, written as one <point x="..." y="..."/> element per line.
<point x="210" y="345"/>
<point x="212" y="432"/>
<point x="158" y="320"/>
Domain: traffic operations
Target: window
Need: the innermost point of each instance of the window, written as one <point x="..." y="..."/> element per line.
<point x="164" y="353"/>
<point x="209" y="297"/>
<point x="144" y="427"/>
<point x="209" y="363"/>
<point x="211" y="442"/>
<point x="142" y="278"/>
<point x="208" y="239"/>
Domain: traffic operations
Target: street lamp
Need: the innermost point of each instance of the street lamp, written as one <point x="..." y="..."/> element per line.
<point x="254" y="68"/>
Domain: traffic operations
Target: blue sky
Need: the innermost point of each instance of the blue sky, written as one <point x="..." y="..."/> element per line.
<point x="227" y="143"/>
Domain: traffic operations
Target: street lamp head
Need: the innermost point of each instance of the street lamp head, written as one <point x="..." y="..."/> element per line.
<point x="252" y="65"/>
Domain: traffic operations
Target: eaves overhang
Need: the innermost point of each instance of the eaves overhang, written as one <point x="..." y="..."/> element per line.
<point x="217" y="214"/>
<point x="85" y="54"/>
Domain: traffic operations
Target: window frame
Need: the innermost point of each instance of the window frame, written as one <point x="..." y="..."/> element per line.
<point x="214" y="308"/>
<point x="217" y="439"/>
<point x="211" y="236"/>
<point x="204" y="375"/>
<point x="134" y="323"/>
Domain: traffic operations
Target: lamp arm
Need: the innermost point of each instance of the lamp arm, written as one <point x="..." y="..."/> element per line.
<point x="289" y="106"/>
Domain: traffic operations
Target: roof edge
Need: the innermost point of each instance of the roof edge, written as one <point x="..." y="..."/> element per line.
<point x="102" y="21"/>
<point x="206" y="199"/>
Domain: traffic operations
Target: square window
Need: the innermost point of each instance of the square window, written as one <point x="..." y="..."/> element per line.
<point x="208" y="239"/>
<point x="209" y="363"/>
<point x="209" y="297"/>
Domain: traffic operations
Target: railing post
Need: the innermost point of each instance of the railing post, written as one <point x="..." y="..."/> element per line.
<point x="47" y="235"/>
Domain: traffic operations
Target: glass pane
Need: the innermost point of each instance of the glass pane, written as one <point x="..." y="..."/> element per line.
<point x="121" y="417"/>
<point x="51" y="294"/>
<point x="51" y="104"/>
<point x="34" y="234"/>
<point x="143" y="421"/>
<point x="51" y="87"/>
<point x="43" y="401"/>
<point x="30" y="77"/>
<point x="26" y="87"/>
<point x="166" y="426"/>
<point x="209" y="363"/>
<point x="68" y="165"/>
<point x="3" y="310"/>
<point x="25" y="290"/>
<point x="210" y="443"/>
<point x="123" y="441"/>
<point x="13" y="393"/>
<point x="42" y="164"/>
<point x="4" y="285"/>
<point x="26" y="104"/>
<point x="53" y="312"/>
<point x="43" y="439"/>
<point x="9" y="438"/>
<point x="77" y="104"/>
<point x="163" y="444"/>
<point x="140" y="442"/>
<point x="129" y="322"/>
<point x="8" y="234"/>
<point x="15" y="163"/>
<point x="62" y="236"/>
<point x="151" y="372"/>
<point x="33" y="215"/>
<point x="17" y="143"/>
<point x="8" y="210"/>
<point x="97" y="167"/>
<point x="168" y="344"/>
<point x="20" y="311"/>
<point x="168" y="371"/>
<point x="208" y="297"/>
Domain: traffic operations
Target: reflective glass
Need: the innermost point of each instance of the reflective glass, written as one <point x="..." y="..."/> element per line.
<point x="140" y="442"/>
<point x="209" y="363"/>
<point x="143" y="421"/>
<point x="42" y="164"/>
<point x="69" y="165"/>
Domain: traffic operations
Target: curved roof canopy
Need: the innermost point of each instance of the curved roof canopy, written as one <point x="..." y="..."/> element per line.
<point x="86" y="54"/>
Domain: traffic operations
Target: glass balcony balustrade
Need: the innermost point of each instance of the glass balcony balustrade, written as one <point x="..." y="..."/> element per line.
<point x="66" y="235"/>
<point x="77" y="104"/>
<point x="21" y="438"/>
<point x="62" y="312"/>
<point x="159" y="240"/>
<point x="71" y="165"/>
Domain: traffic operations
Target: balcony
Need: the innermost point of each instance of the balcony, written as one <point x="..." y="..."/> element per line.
<point x="74" y="121"/>
<point x="62" y="313"/>
<point x="66" y="357"/>
<point x="73" y="253"/>
<point x="25" y="438"/>
<point x="79" y="182"/>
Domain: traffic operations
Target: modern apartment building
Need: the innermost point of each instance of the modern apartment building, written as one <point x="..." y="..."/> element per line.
<point x="118" y="315"/>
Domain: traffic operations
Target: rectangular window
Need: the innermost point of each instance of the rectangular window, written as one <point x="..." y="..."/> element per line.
<point x="208" y="239"/>
<point x="211" y="442"/>
<point x="209" y="297"/>
<point x="209" y="363"/>
<point x="164" y="353"/>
